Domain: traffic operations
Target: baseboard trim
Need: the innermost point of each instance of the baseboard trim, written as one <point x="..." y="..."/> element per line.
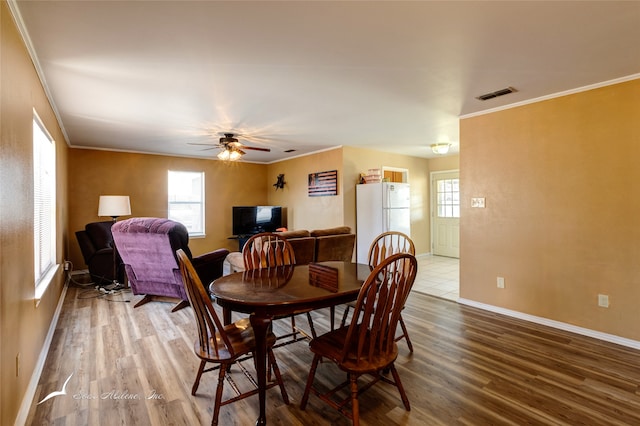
<point x="25" y="407"/>
<point x="611" y="338"/>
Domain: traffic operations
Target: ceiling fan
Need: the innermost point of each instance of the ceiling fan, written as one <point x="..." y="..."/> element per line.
<point x="231" y="148"/>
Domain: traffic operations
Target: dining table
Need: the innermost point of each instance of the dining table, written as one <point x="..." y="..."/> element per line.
<point x="279" y="291"/>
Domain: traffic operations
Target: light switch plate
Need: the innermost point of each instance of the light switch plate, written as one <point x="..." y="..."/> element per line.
<point x="477" y="202"/>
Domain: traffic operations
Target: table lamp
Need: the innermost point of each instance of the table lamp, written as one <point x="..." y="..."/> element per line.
<point x="114" y="206"/>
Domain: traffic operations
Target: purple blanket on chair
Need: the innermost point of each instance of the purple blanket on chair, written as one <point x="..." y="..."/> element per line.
<point x="146" y="246"/>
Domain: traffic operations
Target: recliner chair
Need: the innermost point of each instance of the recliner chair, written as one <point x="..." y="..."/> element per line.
<point x="148" y="248"/>
<point x="96" y="245"/>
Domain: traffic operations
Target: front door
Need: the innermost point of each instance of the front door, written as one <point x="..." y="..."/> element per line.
<point x="445" y="201"/>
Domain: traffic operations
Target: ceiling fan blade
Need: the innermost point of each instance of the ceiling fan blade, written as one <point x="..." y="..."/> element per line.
<point x="256" y="148"/>
<point x="205" y="144"/>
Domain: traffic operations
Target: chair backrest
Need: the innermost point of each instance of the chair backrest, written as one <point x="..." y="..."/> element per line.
<point x="147" y="247"/>
<point x="212" y="344"/>
<point x="267" y="249"/>
<point x="389" y="243"/>
<point x="96" y="245"/>
<point x="380" y="301"/>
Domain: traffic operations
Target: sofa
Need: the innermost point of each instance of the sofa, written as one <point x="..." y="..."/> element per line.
<point x="309" y="246"/>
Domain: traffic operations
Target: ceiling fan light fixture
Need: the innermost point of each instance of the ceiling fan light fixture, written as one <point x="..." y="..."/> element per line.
<point x="230" y="153"/>
<point x="235" y="154"/>
<point x="440" y="148"/>
<point x="224" y="155"/>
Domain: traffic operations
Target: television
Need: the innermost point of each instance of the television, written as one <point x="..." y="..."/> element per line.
<point x="249" y="220"/>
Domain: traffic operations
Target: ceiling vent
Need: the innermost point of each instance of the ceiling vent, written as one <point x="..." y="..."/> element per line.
<point x="497" y="93"/>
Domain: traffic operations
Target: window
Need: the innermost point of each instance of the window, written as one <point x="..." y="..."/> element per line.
<point x="44" y="205"/>
<point x="186" y="200"/>
<point x="448" y="197"/>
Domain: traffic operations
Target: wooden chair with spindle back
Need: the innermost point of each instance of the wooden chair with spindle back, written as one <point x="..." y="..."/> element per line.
<point x="367" y="345"/>
<point x="221" y="345"/>
<point x="385" y="245"/>
<point x="268" y="250"/>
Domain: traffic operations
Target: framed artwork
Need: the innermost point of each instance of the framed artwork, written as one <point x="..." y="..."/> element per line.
<point x="322" y="184"/>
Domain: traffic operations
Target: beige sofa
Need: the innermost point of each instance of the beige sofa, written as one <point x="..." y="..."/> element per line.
<point x="309" y="246"/>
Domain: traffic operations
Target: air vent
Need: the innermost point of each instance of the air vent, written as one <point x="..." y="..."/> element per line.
<point x="290" y="150"/>
<point x="497" y="93"/>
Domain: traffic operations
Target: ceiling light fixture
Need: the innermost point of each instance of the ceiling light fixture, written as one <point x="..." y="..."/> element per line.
<point x="440" y="148"/>
<point x="230" y="153"/>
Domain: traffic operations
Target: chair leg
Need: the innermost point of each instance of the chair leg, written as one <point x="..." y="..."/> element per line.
<point x="181" y="305"/>
<point x="405" y="334"/>
<point x="307" y="389"/>
<point x="344" y="316"/>
<point x="355" y="409"/>
<point x="293" y="323"/>
<point x="332" y="313"/>
<point x="218" y="401"/>
<point x="145" y="299"/>
<point x="276" y="371"/>
<point x="197" y="381"/>
<point x="403" y="394"/>
<point x="311" y="327"/>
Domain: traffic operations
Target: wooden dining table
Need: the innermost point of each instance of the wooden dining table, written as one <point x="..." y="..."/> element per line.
<point x="284" y="290"/>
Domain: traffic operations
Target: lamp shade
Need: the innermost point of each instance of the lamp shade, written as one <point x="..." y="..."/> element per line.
<point x="114" y="205"/>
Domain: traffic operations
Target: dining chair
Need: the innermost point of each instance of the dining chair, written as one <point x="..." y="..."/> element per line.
<point x="366" y="346"/>
<point x="268" y="250"/>
<point x="222" y="345"/>
<point x="385" y="245"/>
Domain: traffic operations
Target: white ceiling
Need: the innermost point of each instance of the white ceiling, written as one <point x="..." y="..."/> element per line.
<point x="154" y="76"/>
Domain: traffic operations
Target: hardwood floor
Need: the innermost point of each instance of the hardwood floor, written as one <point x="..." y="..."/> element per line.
<point x="470" y="367"/>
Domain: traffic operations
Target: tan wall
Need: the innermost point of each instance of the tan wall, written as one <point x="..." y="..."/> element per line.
<point x="23" y="326"/>
<point x="144" y="178"/>
<point x="450" y="162"/>
<point x="304" y="212"/>
<point x="561" y="181"/>
<point x="359" y="160"/>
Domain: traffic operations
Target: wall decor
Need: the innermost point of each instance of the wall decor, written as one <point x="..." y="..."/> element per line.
<point x="323" y="183"/>
<point x="280" y="182"/>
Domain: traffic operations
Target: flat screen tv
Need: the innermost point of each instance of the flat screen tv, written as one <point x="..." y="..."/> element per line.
<point x="249" y="220"/>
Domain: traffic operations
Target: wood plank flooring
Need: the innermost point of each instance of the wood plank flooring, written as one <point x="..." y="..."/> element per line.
<point x="470" y="367"/>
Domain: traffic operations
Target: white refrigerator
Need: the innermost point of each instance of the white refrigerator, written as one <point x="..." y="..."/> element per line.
<point x="380" y="207"/>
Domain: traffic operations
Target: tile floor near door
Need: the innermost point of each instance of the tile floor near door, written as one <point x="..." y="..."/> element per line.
<point x="438" y="276"/>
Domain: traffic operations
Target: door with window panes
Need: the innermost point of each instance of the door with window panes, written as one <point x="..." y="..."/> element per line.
<point x="446" y="213"/>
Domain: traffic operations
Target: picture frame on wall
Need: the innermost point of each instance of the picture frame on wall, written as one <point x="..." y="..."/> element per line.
<point x="322" y="184"/>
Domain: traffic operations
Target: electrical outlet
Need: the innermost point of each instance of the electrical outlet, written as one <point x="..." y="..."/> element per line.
<point x="603" y="300"/>
<point x="67" y="265"/>
<point x="500" y="282"/>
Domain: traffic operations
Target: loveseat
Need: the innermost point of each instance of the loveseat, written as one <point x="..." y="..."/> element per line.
<point x="310" y="246"/>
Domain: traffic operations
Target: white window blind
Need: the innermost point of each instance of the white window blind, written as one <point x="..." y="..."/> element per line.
<point x="186" y="200"/>
<point x="44" y="201"/>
